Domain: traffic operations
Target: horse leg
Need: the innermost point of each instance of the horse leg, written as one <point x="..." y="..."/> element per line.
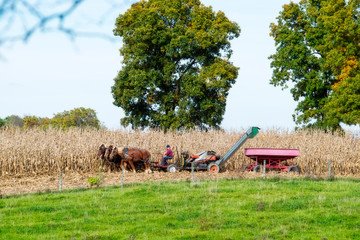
<point x="111" y="166"/>
<point x="108" y="165"/>
<point x="148" y="162"/>
<point x="132" y="166"/>
<point x="147" y="168"/>
<point x="123" y="165"/>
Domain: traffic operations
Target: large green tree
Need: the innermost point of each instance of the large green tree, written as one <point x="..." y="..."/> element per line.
<point x="77" y="117"/>
<point x="317" y="55"/>
<point x="176" y="72"/>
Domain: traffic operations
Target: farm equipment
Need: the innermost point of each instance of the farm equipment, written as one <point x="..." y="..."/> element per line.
<point x="157" y="164"/>
<point x="275" y="158"/>
<point x="209" y="160"/>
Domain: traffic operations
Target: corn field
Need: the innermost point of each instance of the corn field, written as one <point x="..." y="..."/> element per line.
<point x="38" y="152"/>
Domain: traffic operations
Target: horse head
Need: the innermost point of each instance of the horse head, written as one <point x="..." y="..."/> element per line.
<point x="108" y="152"/>
<point x="101" y="151"/>
<point x="114" y="153"/>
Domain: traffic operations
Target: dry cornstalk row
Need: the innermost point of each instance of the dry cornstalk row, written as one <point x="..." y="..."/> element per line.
<point x="33" y="152"/>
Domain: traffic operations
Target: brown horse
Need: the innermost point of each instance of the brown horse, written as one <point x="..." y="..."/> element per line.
<point x="101" y="151"/>
<point x="108" y="152"/>
<point x="131" y="155"/>
<point x="104" y="154"/>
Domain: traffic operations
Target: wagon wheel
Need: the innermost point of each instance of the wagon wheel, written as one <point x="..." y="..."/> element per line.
<point x="213" y="168"/>
<point x="172" y="168"/>
<point x="293" y="169"/>
<point x="257" y="168"/>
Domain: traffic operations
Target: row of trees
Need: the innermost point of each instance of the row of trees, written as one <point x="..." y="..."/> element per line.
<point x="78" y="117"/>
<point x="176" y="71"/>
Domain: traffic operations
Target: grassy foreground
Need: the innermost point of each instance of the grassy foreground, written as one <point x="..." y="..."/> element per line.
<point x="224" y="209"/>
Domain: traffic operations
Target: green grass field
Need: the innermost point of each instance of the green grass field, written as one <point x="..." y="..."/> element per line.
<point x="224" y="209"/>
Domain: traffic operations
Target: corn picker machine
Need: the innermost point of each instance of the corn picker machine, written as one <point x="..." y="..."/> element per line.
<point x="209" y="160"/>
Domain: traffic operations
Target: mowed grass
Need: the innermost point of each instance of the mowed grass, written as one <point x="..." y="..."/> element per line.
<point x="224" y="209"/>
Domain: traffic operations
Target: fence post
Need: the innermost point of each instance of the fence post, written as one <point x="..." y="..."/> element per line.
<point x="329" y="169"/>
<point x="192" y="172"/>
<point x="122" y="176"/>
<point x="264" y="169"/>
<point x="60" y="181"/>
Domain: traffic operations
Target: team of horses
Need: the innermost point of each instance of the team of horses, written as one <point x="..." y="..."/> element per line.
<point x="115" y="158"/>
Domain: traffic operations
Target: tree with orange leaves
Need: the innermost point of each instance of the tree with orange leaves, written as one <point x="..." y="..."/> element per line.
<point x="317" y="55"/>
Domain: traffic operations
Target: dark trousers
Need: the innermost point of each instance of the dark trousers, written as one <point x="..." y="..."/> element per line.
<point x="164" y="160"/>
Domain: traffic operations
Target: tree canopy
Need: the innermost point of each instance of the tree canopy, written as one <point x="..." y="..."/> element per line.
<point x="14" y="121"/>
<point x="176" y="71"/>
<point x="77" y="117"/>
<point x="317" y="55"/>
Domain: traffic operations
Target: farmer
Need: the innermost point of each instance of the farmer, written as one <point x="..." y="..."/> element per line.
<point x="168" y="155"/>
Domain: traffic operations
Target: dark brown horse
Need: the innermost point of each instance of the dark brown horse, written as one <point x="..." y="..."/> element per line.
<point x="108" y="152"/>
<point x="101" y="151"/>
<point x="131" y="155"/>
<point x="104" y="154"/>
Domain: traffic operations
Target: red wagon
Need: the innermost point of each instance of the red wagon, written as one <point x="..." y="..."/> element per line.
<point x="275" y="158"/>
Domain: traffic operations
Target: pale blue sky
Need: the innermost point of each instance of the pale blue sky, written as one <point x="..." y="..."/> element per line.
<point x="51" y="74"/>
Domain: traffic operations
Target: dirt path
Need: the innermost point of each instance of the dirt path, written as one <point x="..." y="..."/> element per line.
<point x="22" y="185"/>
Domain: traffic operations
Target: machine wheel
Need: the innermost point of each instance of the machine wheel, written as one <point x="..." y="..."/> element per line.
<point x="257" y="168"/>
<point x="213" y="168"/>
<point x="172" y="168"/>
<point x="293" y="169"/>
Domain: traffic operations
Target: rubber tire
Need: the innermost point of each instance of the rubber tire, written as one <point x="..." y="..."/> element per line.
<point x="293" y="169"/>
<point x="171" y="168"/>
<point x="213" y="168"/>
<point x="257" y="168"/>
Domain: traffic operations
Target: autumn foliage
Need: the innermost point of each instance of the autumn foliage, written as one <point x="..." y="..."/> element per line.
<point x="317" y="55"/>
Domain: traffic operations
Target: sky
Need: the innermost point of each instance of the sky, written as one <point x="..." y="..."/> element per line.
<point x="52" y="73"/>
